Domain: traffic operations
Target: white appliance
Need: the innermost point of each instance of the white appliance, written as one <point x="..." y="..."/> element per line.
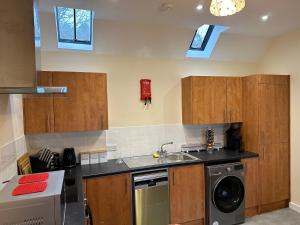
<point x="42" y="208"/>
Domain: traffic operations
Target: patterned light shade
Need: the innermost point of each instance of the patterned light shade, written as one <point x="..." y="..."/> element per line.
<point x="226" y="7"/>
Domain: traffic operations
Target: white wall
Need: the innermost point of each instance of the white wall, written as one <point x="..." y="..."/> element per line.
<point x="12" y="140"/>
<point x="283" y="57"/>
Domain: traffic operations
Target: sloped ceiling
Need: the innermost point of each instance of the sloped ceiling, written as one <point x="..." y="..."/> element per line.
<point x="138" y="28"/>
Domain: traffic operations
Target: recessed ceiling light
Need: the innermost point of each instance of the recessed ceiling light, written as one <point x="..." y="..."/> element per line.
<point x="265" y="17"/>
<point x="165" y="7"/>
<point x="199" y="7"/>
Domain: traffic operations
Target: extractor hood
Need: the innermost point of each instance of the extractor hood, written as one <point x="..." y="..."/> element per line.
<point x="34" y="90"/>
<point x="20" y="53"/>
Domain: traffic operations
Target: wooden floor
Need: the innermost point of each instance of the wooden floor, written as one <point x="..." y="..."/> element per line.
<point x="279" y="217"/>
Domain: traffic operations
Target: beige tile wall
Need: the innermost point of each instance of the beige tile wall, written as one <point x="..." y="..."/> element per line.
<point x="130" y="141"/>
<point x="12" y="139"/>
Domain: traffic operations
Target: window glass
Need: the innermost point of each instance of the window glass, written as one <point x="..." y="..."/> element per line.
<point x="201" y="37"/>
<point x="83" y="25"/>
<point x="65" y="17"/>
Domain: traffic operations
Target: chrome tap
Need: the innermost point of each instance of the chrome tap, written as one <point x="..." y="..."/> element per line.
<point x="162" y="152"/>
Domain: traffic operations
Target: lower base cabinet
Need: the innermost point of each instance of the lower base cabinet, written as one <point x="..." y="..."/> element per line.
<point x="109" y="198"/>
<point x="187" y="191"/>
<point x="251" y="186"/>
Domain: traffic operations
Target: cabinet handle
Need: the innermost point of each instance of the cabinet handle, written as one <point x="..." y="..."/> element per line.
<point x="230" y="114"/>
<point x="173" y="174"/>
<point x="225" y="116"/>
<point x="126" y="185"/>
<point x="48" y="122"/>
<point x="263" y="144"/>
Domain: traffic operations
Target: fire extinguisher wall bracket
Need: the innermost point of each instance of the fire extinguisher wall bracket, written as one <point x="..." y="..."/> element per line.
<point x="146" y="91"/>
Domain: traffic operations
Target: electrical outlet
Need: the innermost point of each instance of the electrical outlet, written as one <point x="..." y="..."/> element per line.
<point x="111" y="147"/>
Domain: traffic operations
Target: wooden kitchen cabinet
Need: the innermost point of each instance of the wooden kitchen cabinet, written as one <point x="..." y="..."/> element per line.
<point x="234" y="99"/>
<point x="83" y="108"/>
<point x="38" y="109"/>
<point x="211" y="100"/>
<point x="110" y="199"/>
<point x="187" y="194"/>
<point x="266" y="131"/>
<point x="251" y="186"/>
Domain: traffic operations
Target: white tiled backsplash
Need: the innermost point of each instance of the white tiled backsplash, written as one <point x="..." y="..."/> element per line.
<point x="128" y="141"/>
<point x="9" y="153"/>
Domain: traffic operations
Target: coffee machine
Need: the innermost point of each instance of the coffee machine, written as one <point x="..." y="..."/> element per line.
<point x="234" y="138"/>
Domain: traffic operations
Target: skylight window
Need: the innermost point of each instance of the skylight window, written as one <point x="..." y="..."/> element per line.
<point x="205" y="40"/>
<point x="202" y="37"/>
<point x="74" y="28"/>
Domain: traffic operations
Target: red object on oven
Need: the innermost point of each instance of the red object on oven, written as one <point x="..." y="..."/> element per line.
<point x="24" y="189"/>
<point x="39" y="177"/>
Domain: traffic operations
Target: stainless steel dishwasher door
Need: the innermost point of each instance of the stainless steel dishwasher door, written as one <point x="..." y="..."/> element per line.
<point x="151" y="194"/>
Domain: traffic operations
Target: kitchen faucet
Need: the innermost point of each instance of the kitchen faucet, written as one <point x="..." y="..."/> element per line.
<point x="162" y="152"/>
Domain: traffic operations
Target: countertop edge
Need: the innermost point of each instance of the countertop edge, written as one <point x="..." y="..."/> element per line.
<point x="87" y="175"/>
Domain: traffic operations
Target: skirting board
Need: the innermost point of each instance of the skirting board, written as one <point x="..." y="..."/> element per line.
<point x="295" y="207"/>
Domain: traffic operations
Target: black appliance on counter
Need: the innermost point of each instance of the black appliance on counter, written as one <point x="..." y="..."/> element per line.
<point x="69" y="158"/>
<point x="234" y="138"/>
<point x="38" y="164"/>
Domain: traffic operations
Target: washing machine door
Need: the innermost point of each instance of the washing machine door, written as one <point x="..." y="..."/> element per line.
<point x="229" y="194"/>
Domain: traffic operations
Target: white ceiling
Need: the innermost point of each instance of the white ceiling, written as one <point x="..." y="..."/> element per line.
<point x="246" y="27"/>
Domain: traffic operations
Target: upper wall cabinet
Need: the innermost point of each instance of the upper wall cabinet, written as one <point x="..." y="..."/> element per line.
<point x="211" y="100"/>
<point x="84" y="108"/>
<point x="234" y="99"/>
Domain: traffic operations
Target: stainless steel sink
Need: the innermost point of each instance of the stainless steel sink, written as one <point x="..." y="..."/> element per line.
<point x="180" y="156"/>
<point x="148" y="160"/>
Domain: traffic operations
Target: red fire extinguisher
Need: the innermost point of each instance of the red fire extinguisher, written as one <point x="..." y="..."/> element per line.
<point x="146" y="91"/>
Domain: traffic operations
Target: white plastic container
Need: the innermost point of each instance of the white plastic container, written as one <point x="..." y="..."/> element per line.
<point x="103" y="157"/>
<point x="94" y="157"/>
<point x="84" y="158"/>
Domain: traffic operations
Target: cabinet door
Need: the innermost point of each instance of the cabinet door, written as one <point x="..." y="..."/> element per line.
<point x="274" y="173"/>
<point x="110" y="199"/>
<point x="234" y="99"/>
<point x="274" y="143"/>
<point x="38" y="109"/>
<point x="84" y="108"/>
<point x="251" y="185"/>
<point x="187" y="194"/>
<point x="209" y="100"/>
<point x="274" y="113"/>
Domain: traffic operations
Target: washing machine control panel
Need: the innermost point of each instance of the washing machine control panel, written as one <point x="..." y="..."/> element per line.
<point x="228" y="169"/>
<point x="239" y="167"/>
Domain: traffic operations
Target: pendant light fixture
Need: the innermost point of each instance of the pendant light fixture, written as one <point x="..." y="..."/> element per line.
<point x="226" y="7"/>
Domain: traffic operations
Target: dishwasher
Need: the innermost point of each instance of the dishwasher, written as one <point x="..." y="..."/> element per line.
<point x="151" y="198"/>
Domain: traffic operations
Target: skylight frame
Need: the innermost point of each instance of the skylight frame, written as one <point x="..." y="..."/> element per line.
<point x="74" y="41"/>
<point x="205" y="40"/>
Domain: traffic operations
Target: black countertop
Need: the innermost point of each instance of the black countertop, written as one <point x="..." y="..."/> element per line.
<point x="113" y="167"/>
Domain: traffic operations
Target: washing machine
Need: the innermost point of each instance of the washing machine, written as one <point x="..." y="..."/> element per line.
<point x="225" y="194"/>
